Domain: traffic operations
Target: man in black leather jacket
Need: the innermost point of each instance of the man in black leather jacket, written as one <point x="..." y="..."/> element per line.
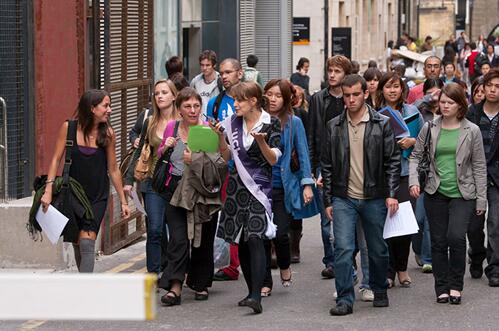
<point x="361" y="171"/>
<point x="324" y="106"/>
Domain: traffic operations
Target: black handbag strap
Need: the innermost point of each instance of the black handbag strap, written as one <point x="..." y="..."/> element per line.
<point x="427" y="140"/>
<point x="70" y="142"/>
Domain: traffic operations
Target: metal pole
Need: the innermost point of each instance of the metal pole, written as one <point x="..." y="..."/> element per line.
<point x="326" y="37"/>
<point x="4" y="148"/>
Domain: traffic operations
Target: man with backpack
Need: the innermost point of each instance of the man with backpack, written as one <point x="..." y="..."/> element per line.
<point x="208" y="83"/>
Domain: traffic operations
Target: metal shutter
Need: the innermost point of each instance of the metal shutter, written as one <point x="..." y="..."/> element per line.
<point x="246" y="29"/>
<point x="125" y="62"/>
<point x="273" y="38"/>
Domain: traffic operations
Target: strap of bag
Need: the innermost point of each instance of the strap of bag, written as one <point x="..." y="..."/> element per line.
<point x="70" y="142"/>
<point x="428" y="138"/>
<point x="216" y="105"/>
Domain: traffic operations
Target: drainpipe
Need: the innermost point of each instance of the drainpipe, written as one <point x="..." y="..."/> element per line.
<point x="326" y="36"/>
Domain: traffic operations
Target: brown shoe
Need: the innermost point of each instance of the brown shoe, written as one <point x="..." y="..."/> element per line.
<point x="294" y="244"/>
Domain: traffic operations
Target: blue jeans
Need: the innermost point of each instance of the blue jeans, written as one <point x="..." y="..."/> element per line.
<point x="372" y="213"/>
<point x="155" y="206"/>
<point x="364" y="258"/>
<point x="421" y="242"/>
<point x="327" y="236"/>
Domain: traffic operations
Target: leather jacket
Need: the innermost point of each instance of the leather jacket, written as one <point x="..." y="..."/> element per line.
<point x="381" y="158"/>
<point x="319" y="104"/>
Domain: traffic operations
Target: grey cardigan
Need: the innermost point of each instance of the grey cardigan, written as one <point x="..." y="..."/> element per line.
<point x="470" y="162"/>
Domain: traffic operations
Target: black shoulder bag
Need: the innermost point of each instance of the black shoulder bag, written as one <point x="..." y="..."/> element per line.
<point x="162" y="168"/>
<point x="425" y="160"/>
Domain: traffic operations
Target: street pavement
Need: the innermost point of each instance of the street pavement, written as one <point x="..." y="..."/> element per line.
<point x="303" y="306"/>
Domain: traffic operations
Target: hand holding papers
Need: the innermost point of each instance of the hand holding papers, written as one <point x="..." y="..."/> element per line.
<point x="52" y="223"/>
<point x="402" y="223"/>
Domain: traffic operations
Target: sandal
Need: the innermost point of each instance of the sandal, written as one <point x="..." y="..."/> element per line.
<point x="286" y="282"/>
<point x="266" y="292"/>
<point x="406" y="283"/>
<point x="170" y="300"/>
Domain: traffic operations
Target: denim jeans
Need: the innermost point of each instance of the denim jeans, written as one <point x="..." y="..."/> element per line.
<point x="493" y="232"/>
<point x="155" y="206"/>
<point x="364" y="258"/>
<point x="327" y="236"/>
<point x="372" y="214"/>
<point x="421" y="242"/>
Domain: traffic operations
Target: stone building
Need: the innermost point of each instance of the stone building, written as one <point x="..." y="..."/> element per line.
<point x="484" y="17"/>
<point x="373" y="23"/>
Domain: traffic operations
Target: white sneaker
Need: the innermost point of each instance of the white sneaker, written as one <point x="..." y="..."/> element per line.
<point x="366" y="295"/>
<point x="335" y="294"/>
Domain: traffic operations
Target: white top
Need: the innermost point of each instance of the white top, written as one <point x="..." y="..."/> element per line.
<point x="206" y="91"/>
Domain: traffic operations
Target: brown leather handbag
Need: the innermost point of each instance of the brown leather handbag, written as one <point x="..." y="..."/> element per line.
<point x="143" y="164"/>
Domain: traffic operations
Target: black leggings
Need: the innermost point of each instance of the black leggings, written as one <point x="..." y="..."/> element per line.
<point x="399" y="247"/>
<point x="283" y="220"/>
<point x="253" y="262"/>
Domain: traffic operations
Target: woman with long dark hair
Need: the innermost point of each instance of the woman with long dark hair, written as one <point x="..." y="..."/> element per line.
<point x="456" y="188"/>
<point x="290" y="190"/>
<point x="163" y="111"/>
<point x="391" y="93"/>
<point x="254" y="138"/>
<point x="93" y="163"/>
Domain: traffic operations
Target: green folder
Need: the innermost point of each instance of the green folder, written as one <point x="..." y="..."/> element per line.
<point x="202" y="139"/>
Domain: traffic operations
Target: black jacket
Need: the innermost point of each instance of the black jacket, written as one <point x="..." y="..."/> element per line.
<point x="319" y="103"/>
<point x="381" y="158"/>
<point x="474" y="114"/>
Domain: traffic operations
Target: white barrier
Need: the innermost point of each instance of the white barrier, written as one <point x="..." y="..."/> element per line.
<point x="77" y="296"/>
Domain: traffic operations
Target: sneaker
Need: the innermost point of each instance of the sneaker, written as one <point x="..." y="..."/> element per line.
<point x="335" y="294"/>
<point x="341" y="309"/>
<point x="427" y="268"/>
<point x="366" y="295"/>
<point x="328" y="273"/>
<point x="220" y="275"/>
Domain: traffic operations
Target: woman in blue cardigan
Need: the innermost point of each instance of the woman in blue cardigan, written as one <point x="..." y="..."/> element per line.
<point x="291" y="188"/>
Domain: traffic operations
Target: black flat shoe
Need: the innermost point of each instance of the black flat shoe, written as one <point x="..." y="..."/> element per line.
<point x="443" y="299"/>
<point x="255" y="305"/>
<point x="201" y="296"/>
<point x="243" y="302"/>
<point x="455" y="300"/>
<point x="168" y="300"/>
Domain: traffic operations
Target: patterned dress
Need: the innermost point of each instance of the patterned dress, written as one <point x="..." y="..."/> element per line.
<point x="241" y="210"/>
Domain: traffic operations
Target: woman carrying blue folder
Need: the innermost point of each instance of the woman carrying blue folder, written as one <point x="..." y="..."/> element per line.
<point x="390" y="97"/>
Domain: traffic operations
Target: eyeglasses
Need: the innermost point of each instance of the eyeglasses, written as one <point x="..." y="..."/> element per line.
<point x="190" y="107"/>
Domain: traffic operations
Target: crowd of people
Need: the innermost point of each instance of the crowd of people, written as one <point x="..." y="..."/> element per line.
<point x="286" y="154"/>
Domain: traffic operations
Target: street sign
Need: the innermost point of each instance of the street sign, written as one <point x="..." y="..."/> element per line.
<point x="342" y="41"/>
<point x="301" y="30"/>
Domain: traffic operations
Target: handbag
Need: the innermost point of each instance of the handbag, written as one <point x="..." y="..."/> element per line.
<point x="425" y="160"/>
<point x="294" y="163"/>
<point x="143" y="164"/>
<point x="62" y="200"/>
<point x="162" y="169"/>
<point x="127" y="159"/>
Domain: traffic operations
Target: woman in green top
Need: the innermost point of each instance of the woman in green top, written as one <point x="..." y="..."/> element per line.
<point x="455" y="189"/>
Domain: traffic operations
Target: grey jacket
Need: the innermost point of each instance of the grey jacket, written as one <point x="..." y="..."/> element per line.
<point x="470" y="162"/>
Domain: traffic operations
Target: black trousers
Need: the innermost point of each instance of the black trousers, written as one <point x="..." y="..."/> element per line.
<point x="253" y="264"/>
<point x="476" y="237"/>
<point x="399" y="247"/>
<point x="282" y="220"/>
<point x="196" y="262"/>
<point x="449" y="219"/>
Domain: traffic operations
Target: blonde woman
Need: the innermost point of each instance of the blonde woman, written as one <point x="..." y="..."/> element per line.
<point x="163" y="111"/>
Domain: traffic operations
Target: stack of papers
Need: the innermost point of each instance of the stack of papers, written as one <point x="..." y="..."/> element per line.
<point x="402" y="223"/>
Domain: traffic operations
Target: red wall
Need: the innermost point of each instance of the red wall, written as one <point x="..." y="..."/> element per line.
<point x="58" y="39"/>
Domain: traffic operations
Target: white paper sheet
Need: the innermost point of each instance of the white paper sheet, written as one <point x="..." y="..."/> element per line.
<point x="402" y="223"/>
<point x="137" y="203"/>
<point x="52" y="223"/>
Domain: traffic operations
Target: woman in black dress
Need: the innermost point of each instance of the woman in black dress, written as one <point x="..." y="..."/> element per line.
<point x="93" y="163"/>
<point x="253" y="140"/>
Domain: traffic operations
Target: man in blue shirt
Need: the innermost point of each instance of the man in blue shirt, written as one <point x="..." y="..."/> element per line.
<point x="219" y="108"/>
<point x="222" y="106"/>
